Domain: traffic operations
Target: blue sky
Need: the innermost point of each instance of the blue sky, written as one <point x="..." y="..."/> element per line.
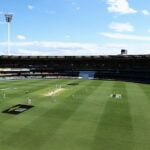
<point x="76" y="27"/>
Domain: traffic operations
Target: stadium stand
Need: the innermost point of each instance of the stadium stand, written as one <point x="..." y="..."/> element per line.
<point x="120" y="67"/>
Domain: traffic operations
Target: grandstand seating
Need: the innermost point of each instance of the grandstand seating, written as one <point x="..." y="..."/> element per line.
<point x="127" y="67"/>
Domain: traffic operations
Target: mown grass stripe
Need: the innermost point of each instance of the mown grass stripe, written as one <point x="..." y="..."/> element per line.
<point x="52" y="119"/>
<point x="115" y="129"/>
<point x="80" y="127"/>
<point x="140" y="108"/>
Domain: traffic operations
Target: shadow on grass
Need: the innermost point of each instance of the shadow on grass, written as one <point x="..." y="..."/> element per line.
<point x="41" y="130"/>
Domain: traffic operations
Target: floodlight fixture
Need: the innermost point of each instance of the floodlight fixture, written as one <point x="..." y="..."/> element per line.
<point x="8" y="18"/>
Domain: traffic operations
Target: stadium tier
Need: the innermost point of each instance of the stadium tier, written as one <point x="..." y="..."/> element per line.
<point x="126" y="67"/>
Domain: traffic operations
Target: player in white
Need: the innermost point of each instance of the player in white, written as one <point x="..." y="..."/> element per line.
<point x="29" y="101"/>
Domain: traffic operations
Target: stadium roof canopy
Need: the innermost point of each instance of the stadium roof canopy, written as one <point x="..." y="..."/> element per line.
<point x="75" y="57"/>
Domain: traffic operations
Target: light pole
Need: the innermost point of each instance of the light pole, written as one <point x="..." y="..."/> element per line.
<point x="8" y="18"/>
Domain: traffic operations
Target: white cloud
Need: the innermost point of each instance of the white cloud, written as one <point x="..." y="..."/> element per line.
<point x="31" y="7"/>
<point x="68" y="36"/>
<point x="125" y="36"/>
<point x="21" y="37"/>
<point x="121" y="27"/>
<point x="53" y="48"/>
<point x="48" y="48"/>
<point x="77" y="8"/>
<point x="75" y="5"/>
<point x="22" y="51"/>
<point x="120" y="6"/>
<point x="146" y="12"/>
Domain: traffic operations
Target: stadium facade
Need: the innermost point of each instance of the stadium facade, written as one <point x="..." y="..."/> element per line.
<point x="122" y="67"/>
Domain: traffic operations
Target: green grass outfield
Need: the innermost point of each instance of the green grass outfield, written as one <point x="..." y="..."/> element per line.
<point x="81" y="117"/>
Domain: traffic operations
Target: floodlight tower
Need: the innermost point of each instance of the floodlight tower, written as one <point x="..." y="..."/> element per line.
<point x="8" y="18"/>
